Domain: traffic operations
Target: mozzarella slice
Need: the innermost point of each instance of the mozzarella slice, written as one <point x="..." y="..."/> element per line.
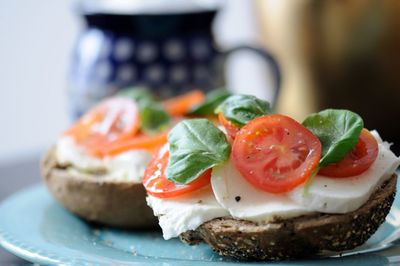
<point x="187" y="212"/>
<point x="128" y="166"/>
<point x="244" y="201"/>
<point x="69" y="153"/>
<point x="342" y="195"/>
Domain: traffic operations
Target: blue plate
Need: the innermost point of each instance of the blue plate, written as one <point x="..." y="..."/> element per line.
<point x="34" y="227"/>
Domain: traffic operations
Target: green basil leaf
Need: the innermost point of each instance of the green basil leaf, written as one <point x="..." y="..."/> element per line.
<point x="241" y="109"/>
<point x="338" y="131"/>
<point x="212" y="100"/>
<point x="137" y="94"/>
<point x="195" y="145"/>
<point x="153" y="117"/>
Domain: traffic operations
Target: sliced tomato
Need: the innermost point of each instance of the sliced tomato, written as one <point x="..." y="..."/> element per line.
<point x="230" y="128"/>
<point x="357" y="161"/>
<point x="181" y="105"/>
<point x="157" y="184"/>
<point x="140" y="141"/>
<point x="112" y="120"/>
<point x="275" y="153"/>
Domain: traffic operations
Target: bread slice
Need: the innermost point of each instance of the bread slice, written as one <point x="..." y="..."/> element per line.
<point x="96" y="198"/>
<point x="301" y="237"/>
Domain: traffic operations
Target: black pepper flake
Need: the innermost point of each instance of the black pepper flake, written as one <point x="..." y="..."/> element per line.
<point x="237" y="198"/>
<point x="200" y="201"/>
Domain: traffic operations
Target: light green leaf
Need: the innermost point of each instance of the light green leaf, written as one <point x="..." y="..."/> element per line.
<point x="195" y="145"/>
<point x="241" y="109"/>
<point x="212" y="100"/>
<point x="338" y="131"/>
<point x="137" y="94"/>
<point x="153" y="117"/>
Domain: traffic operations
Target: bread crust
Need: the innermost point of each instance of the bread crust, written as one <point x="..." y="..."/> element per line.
<point x="301" y="237"/>
<point x="96" y="199"/>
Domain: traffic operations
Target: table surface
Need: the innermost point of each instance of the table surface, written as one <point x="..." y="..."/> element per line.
<point x="13" y="177"/>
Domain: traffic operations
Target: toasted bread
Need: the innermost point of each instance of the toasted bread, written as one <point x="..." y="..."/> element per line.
<point x="96" y="198"/>
<point x="299" y="237"/>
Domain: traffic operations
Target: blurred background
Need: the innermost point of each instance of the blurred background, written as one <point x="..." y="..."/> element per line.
<point x="341" y="54"/>
<point x="57" y="58"/>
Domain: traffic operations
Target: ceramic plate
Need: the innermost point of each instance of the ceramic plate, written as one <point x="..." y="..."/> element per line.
<point x="34" y="227"/>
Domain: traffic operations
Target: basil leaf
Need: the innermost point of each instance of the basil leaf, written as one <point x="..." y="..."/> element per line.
<point x="212" y="100"/>
<point x="153" y="117"/>
<point x="195" y="145"/>
<point x="137" y="94"/>
<point x="241" y="109"/>
<point x="338" y="131"/>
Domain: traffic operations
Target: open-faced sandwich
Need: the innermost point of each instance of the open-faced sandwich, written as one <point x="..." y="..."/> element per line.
<point x="95" y="169"/>
<point x="262" y="186"/>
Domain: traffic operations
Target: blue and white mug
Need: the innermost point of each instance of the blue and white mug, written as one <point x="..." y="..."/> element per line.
<point x="170" y="53"/>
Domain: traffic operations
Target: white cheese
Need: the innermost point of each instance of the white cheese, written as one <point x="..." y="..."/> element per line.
<point x="342" y="195"/>
<point x="244" y="201"/>
<point x="68" y="153"/>
<point x="128" y="166"/>
<point x="187" y="212"/>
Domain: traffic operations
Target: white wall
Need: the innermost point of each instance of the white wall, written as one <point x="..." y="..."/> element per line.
<point x="35" y="42"/>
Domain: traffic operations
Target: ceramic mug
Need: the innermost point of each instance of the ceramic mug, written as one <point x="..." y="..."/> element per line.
<point x="168" y="53"/>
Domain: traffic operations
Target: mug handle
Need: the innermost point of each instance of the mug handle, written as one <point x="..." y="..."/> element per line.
<point x="268" y="58"/>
